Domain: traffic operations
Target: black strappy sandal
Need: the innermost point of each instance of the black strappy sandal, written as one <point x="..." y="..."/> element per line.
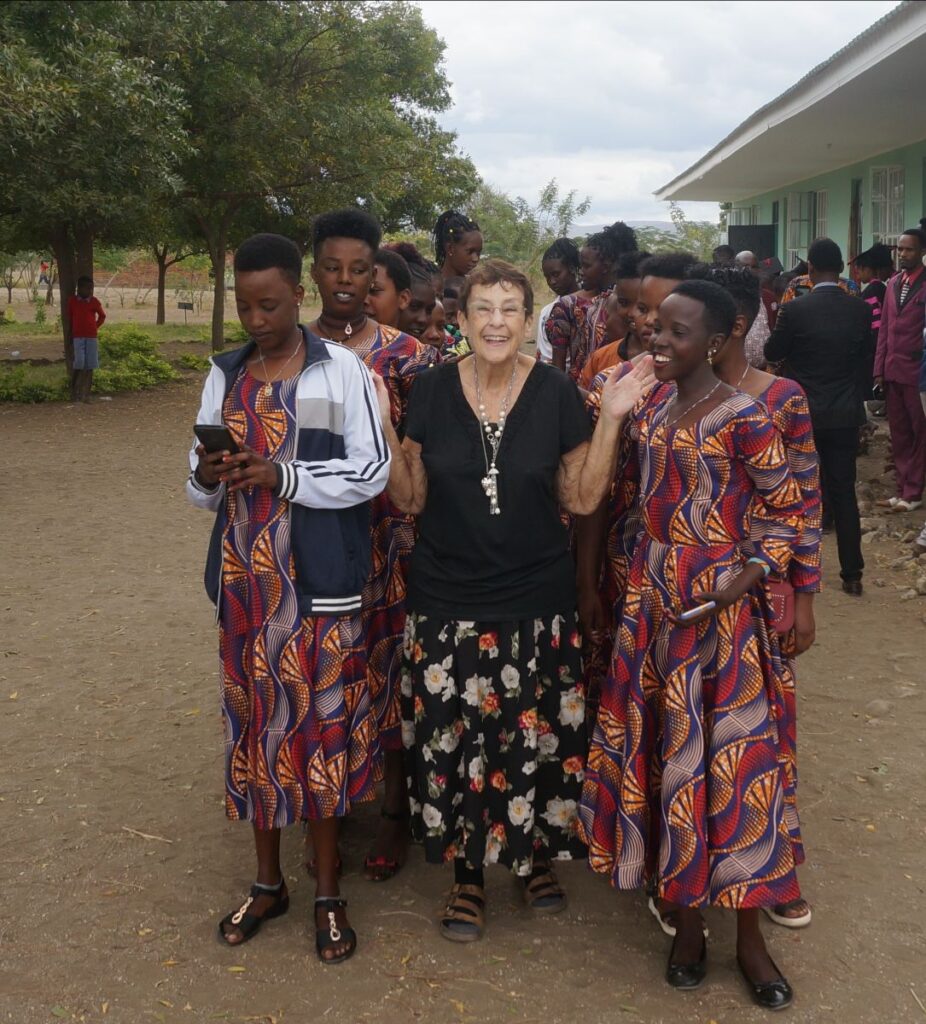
<point x="249" y="924"/>
<point x="333" y="935"/>
<point x="381" y="869"/>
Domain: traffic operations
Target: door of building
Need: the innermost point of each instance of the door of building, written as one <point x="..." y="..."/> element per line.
<point x="757" y="238"/>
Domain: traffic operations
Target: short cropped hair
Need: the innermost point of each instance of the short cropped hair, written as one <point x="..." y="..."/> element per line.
<point x="396" y="268"/>
<point x="673" y="266"/>
<point x="918" y="233"/>
<point x="84" y="279"/>
<point x="491" y="272"/>
<point x="723" y="252"/>
<point x="740" y="283"/>
<point x="453" y="286"/>
<point x="266" y="252"/>
<point x="628" y="266"/>
<point x="824" y="254"/>
<point x="719" y="307"/>
<point x="347" y="223"/>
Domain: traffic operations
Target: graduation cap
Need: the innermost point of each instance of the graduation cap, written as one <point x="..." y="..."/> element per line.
<point x="878" y="257"/>
<point x="771" y="265"/>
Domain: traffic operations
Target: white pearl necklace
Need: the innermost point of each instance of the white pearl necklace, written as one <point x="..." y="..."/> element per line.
<point x="494" y="437"/>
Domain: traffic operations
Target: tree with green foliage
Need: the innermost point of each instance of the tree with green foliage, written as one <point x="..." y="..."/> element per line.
<point x="88" y="131"/>
<point x="292" y="108"/>
<point x="517" y="231"/>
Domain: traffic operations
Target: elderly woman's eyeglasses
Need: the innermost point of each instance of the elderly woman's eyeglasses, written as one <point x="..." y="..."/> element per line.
<point x="483" y="311"/>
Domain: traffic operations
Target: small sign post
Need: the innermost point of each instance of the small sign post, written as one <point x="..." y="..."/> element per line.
<point x="185" y="306"/>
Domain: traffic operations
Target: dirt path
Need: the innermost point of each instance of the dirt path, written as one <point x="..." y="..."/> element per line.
<point x="108" y="682"/>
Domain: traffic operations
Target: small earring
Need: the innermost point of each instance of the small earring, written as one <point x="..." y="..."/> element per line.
<point x="710" y="357"/>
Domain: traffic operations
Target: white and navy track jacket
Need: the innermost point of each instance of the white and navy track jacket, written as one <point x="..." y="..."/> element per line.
<point x="342" y="461"/>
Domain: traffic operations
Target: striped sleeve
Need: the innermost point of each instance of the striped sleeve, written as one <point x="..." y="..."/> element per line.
<point x="364" y="470"/>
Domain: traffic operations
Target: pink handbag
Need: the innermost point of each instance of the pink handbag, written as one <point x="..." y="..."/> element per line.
<point x="780" y="596"/>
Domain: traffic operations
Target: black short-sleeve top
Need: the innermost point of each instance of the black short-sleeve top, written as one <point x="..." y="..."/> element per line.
<point x="468" y="564"/>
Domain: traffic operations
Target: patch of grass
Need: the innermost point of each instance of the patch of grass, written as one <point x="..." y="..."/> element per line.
<point x="28" y="383"/>
<point x="191" y="361"/>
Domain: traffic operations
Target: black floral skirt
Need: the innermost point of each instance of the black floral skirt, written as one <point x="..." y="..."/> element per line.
<point x="493" y="723"/>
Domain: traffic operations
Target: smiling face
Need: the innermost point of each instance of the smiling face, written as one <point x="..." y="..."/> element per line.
<point x="626" y="292"/>
<point x="384" y="301"/>
<point x="651" y="293"/>
<point x="495" y="321"/>
<point x="416" y="316"/>
<point x="463" y="256"/>
<point x="681" y="340"/>
<point x="268" y="307"/>
<point x="343" y="272"/>
<point x="560" y="278"/>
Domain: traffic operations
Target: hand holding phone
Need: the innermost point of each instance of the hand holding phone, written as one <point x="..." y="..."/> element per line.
<point x="216" y="438"/>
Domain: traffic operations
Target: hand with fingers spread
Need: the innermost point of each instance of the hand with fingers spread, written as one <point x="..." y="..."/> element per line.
<point x="621" y="392"/>
<point x="248" y="469"/>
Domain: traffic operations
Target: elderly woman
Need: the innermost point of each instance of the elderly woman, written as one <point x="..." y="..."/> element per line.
<point x="493" y="704"/>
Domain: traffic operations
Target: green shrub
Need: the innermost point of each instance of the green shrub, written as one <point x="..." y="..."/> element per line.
<point x="40" y="317"/>
<point x="233" y="333"/>
<point x="28" y="383"/>
<point x="194" y="362"/>
<point x="9" y="316"/>
<point x="122" y="340"/>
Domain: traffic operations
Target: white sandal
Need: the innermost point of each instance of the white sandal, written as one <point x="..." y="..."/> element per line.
<point x="790" y="922"/>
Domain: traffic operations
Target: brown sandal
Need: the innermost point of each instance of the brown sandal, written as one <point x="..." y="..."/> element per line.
<point x="464" y="916"/>
<point x="542" y="891"/>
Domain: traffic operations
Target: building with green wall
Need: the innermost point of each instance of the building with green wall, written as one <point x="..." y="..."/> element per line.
<point x="842" y="153"/>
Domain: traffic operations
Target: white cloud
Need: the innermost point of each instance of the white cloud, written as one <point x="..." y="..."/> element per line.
<point x="614" y="99"/>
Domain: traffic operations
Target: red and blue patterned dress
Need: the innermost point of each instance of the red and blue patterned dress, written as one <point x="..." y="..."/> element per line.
<point x="300" y="732"/>
<point x="787" y="406"/>
<point x="577" y="324"/>
<point x="684" y="783"/>
<point x="398" y="358"/>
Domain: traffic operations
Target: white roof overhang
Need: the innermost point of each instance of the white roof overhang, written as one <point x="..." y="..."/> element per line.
<point x="867" y="99"/>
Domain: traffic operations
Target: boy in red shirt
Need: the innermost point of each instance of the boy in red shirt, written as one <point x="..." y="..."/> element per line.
<point x="86" y="315"/>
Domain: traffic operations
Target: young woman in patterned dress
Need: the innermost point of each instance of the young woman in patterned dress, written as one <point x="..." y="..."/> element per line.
<point x="683" y="783"/>
<point x="287" y="561"/>
<point x="787" y="405"/>
<point x="346" y="264"/>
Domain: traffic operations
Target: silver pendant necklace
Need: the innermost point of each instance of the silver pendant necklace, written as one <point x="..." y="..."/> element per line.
<point x="493" y="437"/>
<point x="694" y="405"/>
<point x="267" y="389"/>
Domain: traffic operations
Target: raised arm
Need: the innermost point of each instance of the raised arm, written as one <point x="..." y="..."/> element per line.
<point x="586" y="472"/>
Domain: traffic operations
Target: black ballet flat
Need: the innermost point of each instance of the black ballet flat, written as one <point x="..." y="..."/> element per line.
<point x="770" y="995"/>
<point x="687" y="977"/>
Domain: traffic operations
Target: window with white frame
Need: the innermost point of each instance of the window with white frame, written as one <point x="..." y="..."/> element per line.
<point x="887" y="204"/>
<point x="743" y="216"/>
<point x="820" y="202"/>
<point x="800" y="226"/>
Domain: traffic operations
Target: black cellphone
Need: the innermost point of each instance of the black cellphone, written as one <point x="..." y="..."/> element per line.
<point x="216" y="438"/>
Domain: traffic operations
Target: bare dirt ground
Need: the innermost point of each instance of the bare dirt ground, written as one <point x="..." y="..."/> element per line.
<point x="118" y="861"/>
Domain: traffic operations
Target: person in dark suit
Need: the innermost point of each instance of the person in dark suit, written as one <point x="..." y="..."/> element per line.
<point x="822" y="338"/>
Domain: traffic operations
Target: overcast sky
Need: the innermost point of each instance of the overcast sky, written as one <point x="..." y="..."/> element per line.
<point x="616" y="98"/>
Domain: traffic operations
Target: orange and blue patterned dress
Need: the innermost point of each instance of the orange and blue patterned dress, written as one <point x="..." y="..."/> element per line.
<point x="787" y="406"/>
<point x="398" y="358"/>
<point x="300" y="733"/>
<point x="684" y="784"/>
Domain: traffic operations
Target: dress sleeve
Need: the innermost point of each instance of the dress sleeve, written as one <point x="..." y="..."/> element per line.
<point x="778" y="510"/>
<point x="403" y="372"/>
<point x="210" y="411"/>
<point x="574" y="424"/>
<point x="561" y="324"/>
<point x="797" y="434"/>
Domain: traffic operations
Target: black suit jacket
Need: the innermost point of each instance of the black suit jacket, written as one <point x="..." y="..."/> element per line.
<point x="822" y="338"/>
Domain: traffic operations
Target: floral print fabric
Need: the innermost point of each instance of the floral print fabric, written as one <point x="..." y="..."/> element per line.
<point x="494" y="729"/>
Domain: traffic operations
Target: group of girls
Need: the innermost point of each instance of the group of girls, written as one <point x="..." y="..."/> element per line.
<point x="709" y="495"/>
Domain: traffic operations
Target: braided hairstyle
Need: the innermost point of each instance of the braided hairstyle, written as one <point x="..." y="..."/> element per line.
<point x="612" y="242"/>
<point x="564" y="250"/>
<point x="420" y="268"/>
<point x="451" y="226"/>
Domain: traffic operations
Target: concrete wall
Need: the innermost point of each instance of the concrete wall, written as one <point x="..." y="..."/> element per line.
<point x="838" y="185"/>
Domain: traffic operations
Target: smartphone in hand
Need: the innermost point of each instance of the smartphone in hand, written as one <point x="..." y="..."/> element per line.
<point x="216" y="438"/>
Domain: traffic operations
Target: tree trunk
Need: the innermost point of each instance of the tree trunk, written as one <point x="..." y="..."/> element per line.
<point x="9" y="292"/>
<point x="63" y="248"/>
<point x="83" y="379"/>
<point x="161" y="256"/>
<point x="217" y="256"/>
